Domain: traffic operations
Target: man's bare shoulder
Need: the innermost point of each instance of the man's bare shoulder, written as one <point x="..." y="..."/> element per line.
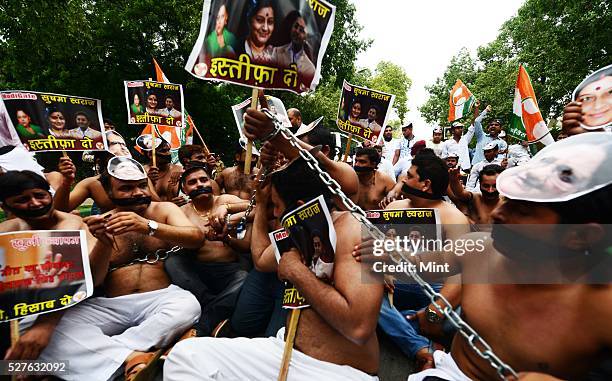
<point x="14" y="224"/>
<point x="230" y="198"/>
<point x="451" y="215"/>
<point x="385" y="179"/>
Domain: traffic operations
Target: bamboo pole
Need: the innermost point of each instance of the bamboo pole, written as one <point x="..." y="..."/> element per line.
<point x="291" y="330"/>
<point x="249" y="146"/>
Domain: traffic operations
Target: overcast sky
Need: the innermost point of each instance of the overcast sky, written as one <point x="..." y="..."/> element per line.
<point x="423" y="35"/>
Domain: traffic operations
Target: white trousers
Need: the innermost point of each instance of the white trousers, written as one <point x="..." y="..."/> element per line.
<point x="402" y="165"/>
<point x="446" y="369"/>
<point x="243" y="359"/>
<point x="98" y="334"/>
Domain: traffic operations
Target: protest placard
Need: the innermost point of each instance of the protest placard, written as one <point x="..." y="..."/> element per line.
<point x="363" y="112"/>
<point x="150" y="102"/>
<point x="263" y="43"/>
<point x="282" y="243"/>
<point x="594" y="95"/>
<point x="275" y="105"/>
<point x="42" y="271"/>
<point x="55" y="122"/>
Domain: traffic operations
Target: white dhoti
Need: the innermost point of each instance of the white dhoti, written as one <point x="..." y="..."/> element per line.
<point x="446" y="369"/>
<point x="97" y="335"/>
<point x="243" y="359"/>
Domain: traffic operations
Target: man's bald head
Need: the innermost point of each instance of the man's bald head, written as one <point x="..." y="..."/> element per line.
<point x="295" y="117"/>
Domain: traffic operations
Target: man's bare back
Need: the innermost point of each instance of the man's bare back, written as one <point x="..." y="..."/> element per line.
<point x="236" y="183"/>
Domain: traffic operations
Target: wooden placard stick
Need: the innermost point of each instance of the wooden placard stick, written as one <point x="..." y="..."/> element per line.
<point x="153" y="134"/>
<point x="291" y="330"/>
<point x="348" y="147"/>
<point x="249" y="146"/>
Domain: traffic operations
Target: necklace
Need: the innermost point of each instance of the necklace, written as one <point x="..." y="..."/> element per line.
<point x="203" y="215"/>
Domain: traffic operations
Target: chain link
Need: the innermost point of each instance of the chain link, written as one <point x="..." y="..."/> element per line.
<point x="150" y="258"/>
<point x="504" y="371"/>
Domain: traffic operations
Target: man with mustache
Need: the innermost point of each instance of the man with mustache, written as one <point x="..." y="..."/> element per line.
<point x="373" y="185"/>
<point x="478" y="205"/>
<point x="27" y="196"/>
<point x="214" y="273"/>
<point x="140" y="311"/>
<point x="491" y="152"/>
<point x="482" y="139"/>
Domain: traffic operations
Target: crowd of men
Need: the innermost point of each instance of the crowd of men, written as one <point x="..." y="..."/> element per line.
<point x="186" y="274"/>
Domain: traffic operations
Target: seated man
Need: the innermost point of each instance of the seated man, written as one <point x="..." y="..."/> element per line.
<point x="140" y="310"/>
<point x="490" y="157"/>
<point x="27" y="196"/>
<point x="535" y="292"/>
<point x="373" y="185"/>
<point x="214" y="273"/>
<point x="336" y="337"/>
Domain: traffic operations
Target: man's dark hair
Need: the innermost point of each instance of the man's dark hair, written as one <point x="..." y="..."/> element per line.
<point x="169" y="97"/>
<point x="432" y="168"/>
<point x="375" y="109"/>
<point x="105" y="180"/>
<point x="298" y="182"/>
<point x="13" y="183"/>
<point x="238" y="148"/>
<point x="191" y="169"/>
<point x="320" y="135"/>
<point x="490" y="170"/>
<point x="594" y="207"/>
<point x="81" y="113"/>
<point x="370" y="152"/>
<point x="187" y="151"/>
<point x="108" y="121"/>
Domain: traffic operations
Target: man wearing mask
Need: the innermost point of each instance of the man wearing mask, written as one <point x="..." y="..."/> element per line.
<point x="233" y="179"/>
<point x="140" y="310"/>
<point x="479" y="205"/>
<point x="213" y="274"/>
<point x="83" y="129"/>
<point x="26" y="195"/>
<point x="391" y="150"/>
<point x="373" y="185"/>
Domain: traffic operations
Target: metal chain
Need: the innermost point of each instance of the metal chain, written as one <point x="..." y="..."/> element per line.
<point x="504" y="371"/>
<point x="151" y="258"/>
<point x="241" y="227"/>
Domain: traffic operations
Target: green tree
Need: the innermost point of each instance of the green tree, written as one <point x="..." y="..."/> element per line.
<point x="392" y="78"/>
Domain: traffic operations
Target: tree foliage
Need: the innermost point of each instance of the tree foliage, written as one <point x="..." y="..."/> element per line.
<point x="559" y="41"/>
<point x="89" y="47"/>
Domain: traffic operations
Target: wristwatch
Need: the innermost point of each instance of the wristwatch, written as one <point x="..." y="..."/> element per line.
<point x="432" y="316"/>
<point x="153" y="225"/>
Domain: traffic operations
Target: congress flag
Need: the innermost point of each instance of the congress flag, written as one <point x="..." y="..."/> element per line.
<point x="461" y="101"/>
<point x="526" y="123"/>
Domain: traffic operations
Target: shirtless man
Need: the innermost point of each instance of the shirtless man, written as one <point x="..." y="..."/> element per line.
<point x="336" y="337"/>
<point x="67" y="200"/>
<point x="26" y="195"/>
<point x="140" y="310"/>
<point x="425" y="183"/>
<point x="555" y="210"/>
<point x="233" y="180"/>
<point x="165" y="175"/>
<point x="479" y="206"/>
<point x="373" y="185"/>
<point x="214" y="273"/>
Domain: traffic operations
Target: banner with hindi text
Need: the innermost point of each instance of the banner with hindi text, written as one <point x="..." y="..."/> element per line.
<point x="55" y="122"/>
<point x="42" y="271"/>
<point x="150" y="102"/>
<point x="266" y="44"/>
<point x="363" y="112"/>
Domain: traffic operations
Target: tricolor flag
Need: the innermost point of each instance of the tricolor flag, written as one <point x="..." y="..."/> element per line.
<point x="526" y="123"/>
<point x="461" y="101"/>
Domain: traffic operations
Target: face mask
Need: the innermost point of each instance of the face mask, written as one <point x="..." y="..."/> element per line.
<point x="131" y="201"/>
<point x="30" y="213"/>
<point x="163" y="158"/>
<point x="419" y="193"/>
<point x="486" y="194"/>
<point x="196" y="192"/>
<point x="514" y="245"/>
<point x="359" y="169"/>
